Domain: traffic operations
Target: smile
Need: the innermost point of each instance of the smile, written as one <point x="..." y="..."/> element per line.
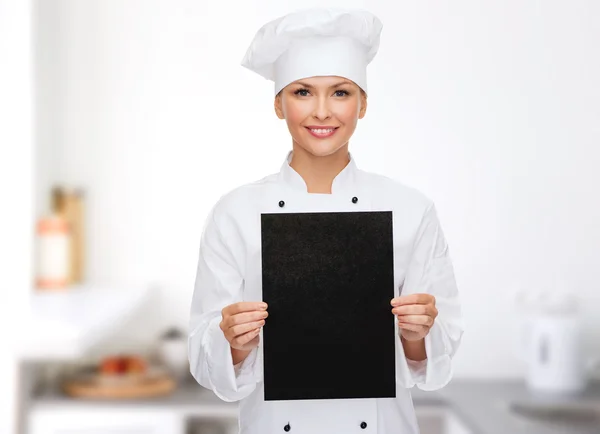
<point x="322" y="132"/>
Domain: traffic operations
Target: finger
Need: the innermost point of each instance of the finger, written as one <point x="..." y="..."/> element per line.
<point x="416" y="309"/>
<point x="245" y="338"/>
<point x="415" y="319"/>
<point x="244" y="317"/>
<point x="412" y="327"/>
<point x="243" y="306"/>
<point x="411" y="309"/>
<point x="241" y="329"/>
<point x="419" y="298"/>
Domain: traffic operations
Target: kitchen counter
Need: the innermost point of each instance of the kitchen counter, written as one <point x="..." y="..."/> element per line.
<point x="483" y="406"/>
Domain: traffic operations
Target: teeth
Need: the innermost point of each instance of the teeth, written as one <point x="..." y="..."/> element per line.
<point x="321" y="131"/>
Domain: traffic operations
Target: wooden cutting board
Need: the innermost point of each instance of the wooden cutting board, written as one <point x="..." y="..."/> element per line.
<point x="150" y="387"/>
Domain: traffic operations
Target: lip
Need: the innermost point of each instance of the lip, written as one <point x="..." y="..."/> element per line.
<point x="321" y="136"/>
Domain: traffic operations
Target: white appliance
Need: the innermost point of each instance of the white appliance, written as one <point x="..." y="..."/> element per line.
<point x="553" y="354"/>
<point x="551" y="344"/>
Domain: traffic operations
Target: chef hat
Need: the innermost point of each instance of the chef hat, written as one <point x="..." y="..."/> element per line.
<point x="315" y="42"/>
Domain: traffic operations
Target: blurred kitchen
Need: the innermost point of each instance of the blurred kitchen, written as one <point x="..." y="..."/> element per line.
<point x="126" y="121"/>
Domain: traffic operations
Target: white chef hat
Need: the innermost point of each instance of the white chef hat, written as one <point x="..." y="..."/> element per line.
<point x="315" y="42"/>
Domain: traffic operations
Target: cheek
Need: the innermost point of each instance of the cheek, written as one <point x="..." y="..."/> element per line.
<point x="295" y="113"/>
<point x="348" y="112"/>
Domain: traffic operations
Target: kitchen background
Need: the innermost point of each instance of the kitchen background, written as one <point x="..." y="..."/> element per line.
<point x="492" y="109"/>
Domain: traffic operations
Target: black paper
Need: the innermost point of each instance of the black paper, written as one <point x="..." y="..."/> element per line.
<point x="328" y="279"/>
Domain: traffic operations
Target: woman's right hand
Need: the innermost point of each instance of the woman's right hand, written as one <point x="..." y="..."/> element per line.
<point x="242" y="322"/>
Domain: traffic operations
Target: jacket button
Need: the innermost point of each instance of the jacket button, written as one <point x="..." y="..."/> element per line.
<point x="354" y="199"/>
<point x="281" y="203"/>
<point x="363" y="425"/>
<point x="287" y="428"/>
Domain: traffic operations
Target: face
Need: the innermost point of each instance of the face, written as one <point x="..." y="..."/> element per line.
<point x="321" y="112"/>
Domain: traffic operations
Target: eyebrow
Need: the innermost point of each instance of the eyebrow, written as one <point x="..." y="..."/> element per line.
<point x="341" y="83"/>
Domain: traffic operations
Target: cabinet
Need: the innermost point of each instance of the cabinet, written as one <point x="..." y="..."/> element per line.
<point x="105" y="421"/>
<point x="439" y="420"/>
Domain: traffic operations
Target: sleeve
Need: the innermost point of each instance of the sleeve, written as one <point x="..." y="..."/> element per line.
<point x="218" y="284"/>
<point x="430" y="271"/>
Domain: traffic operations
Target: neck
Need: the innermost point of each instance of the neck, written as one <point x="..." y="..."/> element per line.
<point x="319" y="172"/>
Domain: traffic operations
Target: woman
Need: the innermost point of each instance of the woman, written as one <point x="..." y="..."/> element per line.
<point x="317" y="60"/>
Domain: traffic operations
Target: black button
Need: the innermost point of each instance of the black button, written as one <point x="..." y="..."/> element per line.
<point x="287" y="428"/>
<point x="354" y="199"/>
<point x="363" y="425"/>
<point x="281" y="203"/>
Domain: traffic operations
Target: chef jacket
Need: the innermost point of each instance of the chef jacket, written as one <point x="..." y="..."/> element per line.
<point x="229" y="271"/>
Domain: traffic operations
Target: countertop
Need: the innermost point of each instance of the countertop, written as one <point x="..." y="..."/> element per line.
<point x="482" y="405"/>
<point x="64" y="325"/>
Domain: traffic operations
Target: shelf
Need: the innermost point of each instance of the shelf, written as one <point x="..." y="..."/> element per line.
<point x="64" y="325"/>
<point x="189" y="399"/>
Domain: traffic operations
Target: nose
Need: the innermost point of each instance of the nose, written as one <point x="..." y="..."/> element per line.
<point x="322" y="110"/>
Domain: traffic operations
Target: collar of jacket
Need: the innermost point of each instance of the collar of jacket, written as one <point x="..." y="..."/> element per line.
<point x="345" y="181"/>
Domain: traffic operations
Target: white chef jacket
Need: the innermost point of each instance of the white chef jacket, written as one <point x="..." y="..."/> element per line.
<point x="229" y="270"/>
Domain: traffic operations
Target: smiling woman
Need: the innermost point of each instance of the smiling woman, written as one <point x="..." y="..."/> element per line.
<point x="317" y="60"/>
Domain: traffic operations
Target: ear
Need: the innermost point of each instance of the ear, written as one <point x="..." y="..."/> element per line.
<point x="278" y="106"/>
<point x="363" y="104"/>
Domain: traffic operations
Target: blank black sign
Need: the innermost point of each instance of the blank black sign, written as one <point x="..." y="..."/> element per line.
<point x="328" y="279"/>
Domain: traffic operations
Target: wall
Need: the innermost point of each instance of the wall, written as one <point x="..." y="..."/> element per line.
<point x="490" y="108"/>
<point x="16" y="191"/>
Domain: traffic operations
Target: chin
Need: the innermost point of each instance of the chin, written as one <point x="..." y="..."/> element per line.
<point x="322" y="148"/>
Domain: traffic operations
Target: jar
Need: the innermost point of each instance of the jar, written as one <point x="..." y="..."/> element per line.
<point x="53" y="253"/>
<point x="173" y="351"/>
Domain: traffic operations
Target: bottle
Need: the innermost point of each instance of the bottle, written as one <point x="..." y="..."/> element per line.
<point x="53" y="253"/>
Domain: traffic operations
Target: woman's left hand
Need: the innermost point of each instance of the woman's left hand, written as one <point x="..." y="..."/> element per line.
<point x="416" y="314"/>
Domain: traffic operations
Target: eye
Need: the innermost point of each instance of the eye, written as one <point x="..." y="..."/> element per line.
<point x="342" y="92"/>
<point x="300" y="92"/>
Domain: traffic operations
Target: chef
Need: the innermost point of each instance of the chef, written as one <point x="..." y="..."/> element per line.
<point x="317" y="60"/>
